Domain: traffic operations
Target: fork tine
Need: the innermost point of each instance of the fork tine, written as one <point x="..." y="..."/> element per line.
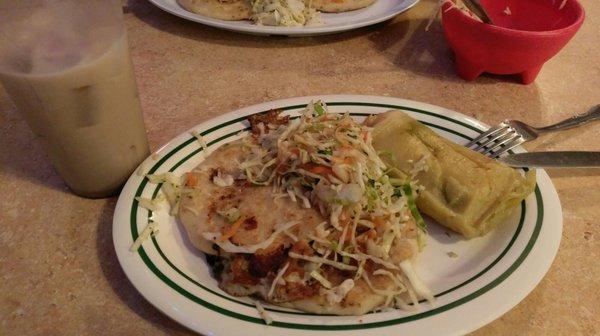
<point x="493" y="138"/>
<point x="490" y="131"/>
<point x="507" y="138"/>
<point x="508" y="147"/>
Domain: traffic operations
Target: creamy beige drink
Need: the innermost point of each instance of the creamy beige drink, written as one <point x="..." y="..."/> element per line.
<point x="79" y="96"/>
<point x="88" y="117"/>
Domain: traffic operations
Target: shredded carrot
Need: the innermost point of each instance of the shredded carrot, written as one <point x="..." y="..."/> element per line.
<point x="346" y="160"/>
<point x="302" y="247"/>
<point x="372" y="234"/>
<point x="294" y="267"/>
<point x="349" y="232"/>
<point x="282" y="168"/>
<point x="364" y="135"/>
<point x="191" y="180"/>
<point x="317" y="169"/>
<point x="320" y="170"/>
<point x="343" y="217"/>
<point x="232" y="229"/>
<point x="378" y="221"/>
<point x="295" y="151"/>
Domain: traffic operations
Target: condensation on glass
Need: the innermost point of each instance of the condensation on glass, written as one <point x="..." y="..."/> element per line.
<point x="66" y="66"/>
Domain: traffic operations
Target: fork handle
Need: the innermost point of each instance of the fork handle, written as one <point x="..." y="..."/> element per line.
<point x="578" y="120"/>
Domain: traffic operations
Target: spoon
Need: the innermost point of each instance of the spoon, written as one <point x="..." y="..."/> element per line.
<point x="476" y="8"/>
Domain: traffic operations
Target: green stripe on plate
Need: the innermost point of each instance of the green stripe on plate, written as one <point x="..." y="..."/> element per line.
<point x="231" y="134"/>
<point x="189" y="278"/>
<point x="432" y="312"/>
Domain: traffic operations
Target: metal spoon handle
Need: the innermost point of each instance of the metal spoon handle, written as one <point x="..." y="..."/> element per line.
<point x="578" y="120"/>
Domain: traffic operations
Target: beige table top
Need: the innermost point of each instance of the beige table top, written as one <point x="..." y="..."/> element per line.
<point x="59" y="273"/>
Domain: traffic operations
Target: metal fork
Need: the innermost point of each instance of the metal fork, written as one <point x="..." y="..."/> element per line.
<point x="511" y="133"/>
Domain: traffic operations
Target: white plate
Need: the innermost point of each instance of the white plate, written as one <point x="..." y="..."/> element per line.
<point x="380" y="11"/>
<point x="489" y="276"/>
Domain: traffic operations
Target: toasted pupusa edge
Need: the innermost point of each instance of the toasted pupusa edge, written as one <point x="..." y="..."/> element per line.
<point x="336" y="6"/>
<point x="359" y="301"/>
<point x="230" y="10"/>
<point x="193" y="213"/>
<point x="187" y="219"/>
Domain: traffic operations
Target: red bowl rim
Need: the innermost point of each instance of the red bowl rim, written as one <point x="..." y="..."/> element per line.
<point x="578" y="21"/>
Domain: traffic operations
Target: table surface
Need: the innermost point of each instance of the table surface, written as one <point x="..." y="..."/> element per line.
<point x="58" y="268"/>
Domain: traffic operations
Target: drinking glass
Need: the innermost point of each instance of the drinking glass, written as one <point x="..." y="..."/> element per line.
<point x="66" y="66"/>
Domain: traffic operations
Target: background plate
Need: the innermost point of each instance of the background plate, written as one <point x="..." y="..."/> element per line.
<point x="490" y="275"/>
<point x="380" y="11"/>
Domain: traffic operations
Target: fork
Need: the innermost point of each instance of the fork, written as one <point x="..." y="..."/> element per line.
<point x="511" y="133"/>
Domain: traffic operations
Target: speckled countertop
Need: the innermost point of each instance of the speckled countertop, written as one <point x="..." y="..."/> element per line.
<point x="58" y="271"/>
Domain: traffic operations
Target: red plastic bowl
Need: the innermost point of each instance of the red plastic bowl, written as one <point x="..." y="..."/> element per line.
<point x="519" y="43"/>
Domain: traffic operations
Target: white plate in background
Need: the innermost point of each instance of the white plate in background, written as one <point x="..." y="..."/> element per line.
<point x="380" y="11"/>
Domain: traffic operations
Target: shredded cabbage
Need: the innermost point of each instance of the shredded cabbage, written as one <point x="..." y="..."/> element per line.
<point x="147" y="203"/>
<point x="263" y="313"/>
<point x="161" y="178"/>
<point x="415" y="281"/>
<point x="227" y="246"/>
<point x="392" y="276"/>
<point x="325" y="261"/>
<point x="283" y="12"/>
<point x="223" y="180"/>
<point x="278" y="279"/>
<point x="327" y="161"/>
<point x="338" y="293"/>
<point x="150" y="229"/>
<point x="388" y="239"/>
<point x="412" y="206"/>
<point x="291" y="235"/>
<point x="383" y="292"/>
<point x="231" y="214"/>
<point x="321" y="279"/>
<point x="200" y="140"/>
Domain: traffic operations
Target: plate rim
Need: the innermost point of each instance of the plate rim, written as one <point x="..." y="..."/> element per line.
<point x="276" y="30"/>
<point x="442" y="113"/>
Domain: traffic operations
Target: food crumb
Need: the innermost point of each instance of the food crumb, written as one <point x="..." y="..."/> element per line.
<point x="587" y="235"/>
<point x="19" y="312"/>
<point x="452" y="254"/>
<point x="507" y="11"/>
<point x="360" y="321"/>
<point x="447" y="233"/>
